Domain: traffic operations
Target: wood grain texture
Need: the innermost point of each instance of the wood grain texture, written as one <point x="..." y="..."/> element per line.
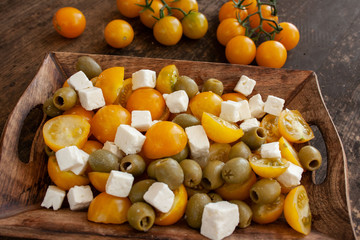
<point x="329" y="46"/>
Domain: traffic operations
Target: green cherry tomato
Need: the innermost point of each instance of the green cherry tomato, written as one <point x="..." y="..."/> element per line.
<point x="195" y="25"/>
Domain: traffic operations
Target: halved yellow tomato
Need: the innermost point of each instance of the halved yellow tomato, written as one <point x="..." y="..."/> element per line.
<point x="270" y="124"/>
<point x="268" y="167"/>
<point x="269" y="212"/>
<point x="91" y="146"/>
<point x="167" y="78"/>
<point x="288" y="152"/>
<point x="98" y="180"/>
<point x="220" y="130"/>
<point x="293" y="127"/>
<point x="124" y="92"/>
<point x="79" y="110"/>
<point x="110" y="81"/>
<point x="64" y="179"/>
<point x="66" y="130"/>
<point x="236" y="97"/>
<point x="297" y="210"/>
<point x="106" y="208"/>
<point x="177" y="210"/>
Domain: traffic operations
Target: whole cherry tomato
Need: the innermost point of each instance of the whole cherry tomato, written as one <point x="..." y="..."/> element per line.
<point x="227" y="29"/>
<point x="240" y="50"/>
<point x="289" y="35"/>
<point x="69" y="22"/>
<point x="266" y="12"/>
<point x="149" y="12"/>
<point x="205" y="102"/>
<point x="271" y="54"/>
<point x="130" y="8"/>
<point x="168" y="30"/>
<point x="119" y="33"/>
<point x="231" y="10"/>
<point x="185" y="5"/>
<point x="195" y="25"/>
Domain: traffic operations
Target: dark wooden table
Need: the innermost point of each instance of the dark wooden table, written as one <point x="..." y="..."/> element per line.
<point x="329" y="45"/>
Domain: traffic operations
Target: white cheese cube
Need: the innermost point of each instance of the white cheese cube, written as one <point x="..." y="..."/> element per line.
<point x="69" y="158"/>
<point x="141" y="120"/>
<point x="270" y="150"/>
<point x="143" y="78"/>
<point x="54" y="197"/>
<point x="291" y="177"/>
<point x="91" y="98"/>
<point x="249" y="124"/>
<point x="274" y="105"/>
<point x="128" y="139"/>
<point x="230" y="111"/>
<point x="79" y="81"/>
<point x="177" y="101"/>
<point x="160" y="196"/>
<point x="244" y="110"/>
<point x="256" y="105"/>
<point x="119" y="183"/>
<point x="79" y="170"/>
<point x="219" y="220"/>
<point x="245" y="85"/>
<point x="113" y="148"/>
<point x="79" y="197"/>
<point x="199" y="143"/>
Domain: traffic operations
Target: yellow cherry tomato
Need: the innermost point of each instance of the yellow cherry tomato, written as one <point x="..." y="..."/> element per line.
<point x="167" y="78"/>
<point x="268" y="167"/>
<point x="288" y="152"/>
<point x="270" y="124"/>
<point x="129" y="8"/>
<point x="69" y="22"/>
<point x="106" y="208"/>
<point x="289" y="35"/>
<point x="168" y="30"/>
<point x="185" y="5"/>
<point x="271" y="54"/>
<point x="98" y="180"/>
<point x="124" y="93"/>
<point x="79" y="110"/>
<point x="118" y="33"/>
<point x="91" y="146"/>
<point x="297" y="210"/>
<point x="205" y="102"/>
<point x="236" y="97"/>
<point x="269" y="212"/>
<point x="227" y="29"/>
<point x="240" y="50"/>
<point x="111" y="81"/>
<point x="195" y="25"/>
<point x="148" y="14"/>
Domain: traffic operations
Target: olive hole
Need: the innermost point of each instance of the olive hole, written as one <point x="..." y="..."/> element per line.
<point x="126" y="166"/>
<point x="59" y="100"/>
<point x="318" y="142"/>
<point x="254" y="196"/>
<point x="144" y="222"/>
<point x="314" y="163"/>
<point x="206" y="183"/>
<point x="261" y="132"/>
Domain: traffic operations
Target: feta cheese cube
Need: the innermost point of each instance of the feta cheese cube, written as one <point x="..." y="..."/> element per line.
<point x="79" y="197"/>
<point x="249" y="124"/>
<point x="230" y="111"/>
<point x="244" y="110"/>
<point x="256" y="105"/>
<point x="113" y="148"/>
<point x="79" y="81"/>
<point x="291" y="177"/>
<point x="79" y="170"/>
<point x="119" y="183"/>
<point x="274" y="105"/>
<point x="91" y="98"/>
<point x="177" y="101"/>
<point x="128" y="139"/>
<point x="54" y="197"/>
<point x="199" y="144"/>
<point x="245" y="85"/>
<point x="69" y="158"/>
<point x="270" y="150"/>
<point x="160" y="196"/>
<point x="143" y="78"/>
<point x="141" y="120"/>
<point x="219" y="220"/>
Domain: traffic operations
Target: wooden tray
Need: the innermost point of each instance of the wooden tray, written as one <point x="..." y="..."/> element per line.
<point x="23" y="185"/>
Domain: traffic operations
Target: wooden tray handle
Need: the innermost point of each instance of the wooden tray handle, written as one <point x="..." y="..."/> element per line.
<point x="329" y="201"/>
<point x="22" y="184"/>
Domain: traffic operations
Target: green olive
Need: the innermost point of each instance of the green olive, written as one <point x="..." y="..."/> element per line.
<point x="186" y="120"/>
<point x="310" y="158"/>
<point x="103" y="161"/>
<point x="254" y="138"/>
<point x="50" y="109"/>
<point x="151" y="168"/>
<point x="265" y="191"/>
<point x="89" y="66"/>
<point x="133" y="164"/>
<point x="169" y="171"/>
<point x="188" y="85"/>
<point x="192" y="172"/>
<point x="141" y="216"/>
<point x="65" y="98"/>
<point x="214" y="197"/>
<point x="236" y="170"/>
<point x="219" y="151"/>
<point x="240" y="149"/>
<point x="197" y="189"/>
<point x="49" y="152"/>
<point x="213" y="85"/>
<point x="139" y="189"/>
<point x="212" y="175"/>
<point x="182" y="155"/>
<point x="195" y="209"/>
<point x="245" y="213"/>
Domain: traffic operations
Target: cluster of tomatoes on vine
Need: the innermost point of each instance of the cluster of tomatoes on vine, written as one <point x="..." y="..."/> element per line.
<point x="250" y="29"/>
<point x="168" y="19"/>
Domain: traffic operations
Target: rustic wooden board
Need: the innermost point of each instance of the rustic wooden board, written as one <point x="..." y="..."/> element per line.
<point x="22" y="185"/>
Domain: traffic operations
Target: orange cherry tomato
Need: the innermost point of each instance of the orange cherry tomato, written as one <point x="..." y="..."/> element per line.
<point x="106" y="208"/>
<point x="79" y="110"/>
<point x="106" y="121"/>
<point x="111" y="81"/>
<point x="177" y="210"/>
<point x="168" y="30"/>
<point x="91" y="146"/>
<point x="147" y="15"/>
<point x="185" y="5"/>
<point x="236" y="97"/>
<point x="240" y="50"/>
<point x="147" y="99"/>
<point x="251" y="6"/>
<point x="98" y="180"/>
<point x="64" y="179"/>
<point x="289" y="35"/>
<point x="66" y="130"/>
<point x="205" y="102"/>
<point x="130" y="8"/>
<point x="164" y="139"/>
<point x="269" y="212"/>
<point x="231" y="10"/>
<point x="271" y="54"/>
<point x="118" y="33"/>
<point x="266" y="13"/>
<point x="69" y="22"/>
<point x="227" y="29"/>
<point x="270" y="124"/>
